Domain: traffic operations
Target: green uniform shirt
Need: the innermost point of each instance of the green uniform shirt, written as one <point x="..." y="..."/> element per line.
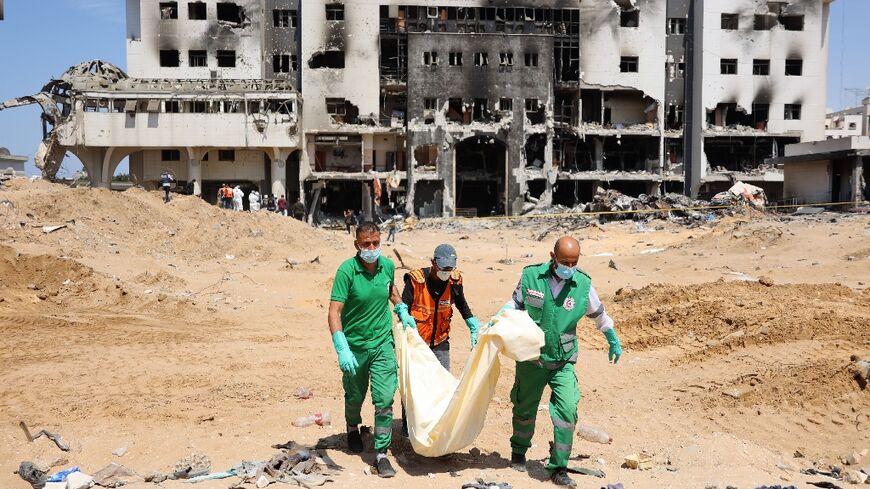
<point x="366" y="318"/>
<point x="556" y="316"/>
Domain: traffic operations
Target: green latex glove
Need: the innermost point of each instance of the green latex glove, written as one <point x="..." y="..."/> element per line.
<point x="473" y="327"/>
<point x="405" y="317"/>
<point x="346" y="360"/>
<point x="615" y="348"/>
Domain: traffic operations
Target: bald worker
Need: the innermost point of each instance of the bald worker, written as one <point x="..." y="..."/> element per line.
<point x="556" y="295"/>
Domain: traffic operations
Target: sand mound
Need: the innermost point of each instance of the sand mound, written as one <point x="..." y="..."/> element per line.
<point x="138" y="222"/>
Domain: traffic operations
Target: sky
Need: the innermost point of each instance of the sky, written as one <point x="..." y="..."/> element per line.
<point x="32" y="51"/>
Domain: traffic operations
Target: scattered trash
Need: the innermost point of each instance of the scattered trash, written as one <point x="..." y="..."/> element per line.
<point x="480" y="484"/>
<point x="263" y="481"/>
<point x="114" y="475"/>
<point x="855" y="477"/>
<point x="155" y="477"/>
<point x="120" y="452"/>
<point x="79" y="480"/>
<point x="765" y="281"/>
<point x="33" y="474"/>
<point x="51" y="229"/>
<point x="825" y="484"/>
<point x="320" y="419"/>
<point x="860" y="370"/>
<point x="55" y="437"/>
<point x="612" y="265"/>
<point x="618" y="485"/>
<point x="776" y="487"/>
<point x="638" y="461"/>
<point x="651" y="251"/>
<point x="62" y="475"/>
<point x="809" y="210"/>
<point x="585" y="471"/>
<point x="602" y="254"/>
<point x="203" y="419"/>
<point x="593" y="434"/>
<point x="191" y="466"/>
<point x="835" y="472"/>
<point x="303" y="393"/>
<point x="230" y="257"/>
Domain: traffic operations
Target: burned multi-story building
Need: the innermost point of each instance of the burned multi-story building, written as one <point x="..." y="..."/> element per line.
<point x="465" y="107"/>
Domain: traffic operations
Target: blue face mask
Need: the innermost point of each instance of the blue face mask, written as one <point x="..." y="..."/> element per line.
<point x="370" y="256"/>
<point x="564" y="272"/>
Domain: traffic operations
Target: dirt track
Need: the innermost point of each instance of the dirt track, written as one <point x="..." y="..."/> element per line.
<point x="140" y="321"/>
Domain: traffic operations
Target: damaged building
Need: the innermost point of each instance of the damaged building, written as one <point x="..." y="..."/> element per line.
<point x="469" y="108"/>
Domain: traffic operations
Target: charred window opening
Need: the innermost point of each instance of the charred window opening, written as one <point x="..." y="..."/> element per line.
<point x="170" y="155"/>
<point x="730" y="22"/>
<point x="572" y="154"/>
<point x="534" y="150"/>
<point x="341" y="111"/>
<point x="481" y="59"/>
<point x="531" y="60"/>
<point x="794" y="67"/>
<point x="284" y="18"/>
<point x="393" y="106"/>
<point x="426" y="157"/>
<point x="742" y="154"/>
<point x="196" y="11"/>
<point x="394" y="60"/>
<point x="198" y="106"/>
<point x="629" y="18"/>
<point x="226" y="155"/>
<point x="231" y="106"/>
<point x="792" y="112"/>
<point x="283" y="63"/>
<point x="455" y="59"/>
<point x="591" y="105"/>
<point x="566" y="60"/>
<point x="327" y="59"/>
<point x="629" y="153"/>
<point x="675" y="70"/>
<point x="628" y="64"/>
<point x="280" y="106"/>
<point x="563" y="110"/>
<point x="168" y="10"/>
<point x="231" y="13"/>
<point x="172" y="106"/>
<point x="676" y="26"/>
<point x="226" y="59"/>
<point x="760" y="115"/>
<point x="728" y="66"/>
<point x="197" y="58"/>
<point x="430" y="58"/>
<point x="761" y="67"/>
<point x="674" y="117"/>
<point x="792" y="22"/>
<point x="169" y="58"/>
<point x="456" y="111"/>
<point x="535" y="111"/>
<point x="430" y="103"/>
<point x="506" y="104"/>
<point x="729" y="115"/>
<point x="764" y="22"/>
<point x="506" y="59"/>
<point x="334" y="11"/>
<point x="480" y="110"/>
<point x="481" y="173"/>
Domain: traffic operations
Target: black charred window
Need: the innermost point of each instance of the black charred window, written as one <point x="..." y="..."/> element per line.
<point x="168" y="10"/>
<point x="284" y="18"/>
<point x="531" y="59"/>
<point x="281" y="63"/>
<point x="226" y="59"/>
<point x="792" y="22"/>
<point x="481" y="59"/>
<point x="728" y="66"/>
<point x="230" y="12"/>
<point x="676" y="26"/>
<point x="170" y="155"/>
<point x="628" y="64"/>
<point x="456" y="59"/>
<point x="197" y="59"/>
<point x="761" y="67"/>
<point x="430" y="103"/>
<point x="730" y="22"/>
<point x="794" y="67"/>
<point x="169" y="58"/>
<point x="430" y="58"/>
<point x="630" y="18"/>
<point x="334" y="11"/>
<point x="506" y="104"/>
<point x="226" y="155"/>
<point x="196" y="11"/>
<point x="792" y="112"/>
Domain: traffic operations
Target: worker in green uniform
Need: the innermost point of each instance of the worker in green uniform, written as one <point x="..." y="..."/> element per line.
<point x="556" y="295"/>
<point x="360" y="323"/>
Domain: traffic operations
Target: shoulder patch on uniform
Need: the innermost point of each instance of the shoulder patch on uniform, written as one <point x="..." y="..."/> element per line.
<point x="417" y="276"/>
<point x="456" y="276"/>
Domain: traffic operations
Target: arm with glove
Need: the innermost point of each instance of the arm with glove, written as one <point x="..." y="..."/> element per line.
<point x="462" y="305"/>
<point x="595" y="311"/>
<point x="346" y="361"/>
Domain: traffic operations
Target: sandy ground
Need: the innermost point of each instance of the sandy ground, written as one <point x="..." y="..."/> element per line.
<point x="182" y="328"/>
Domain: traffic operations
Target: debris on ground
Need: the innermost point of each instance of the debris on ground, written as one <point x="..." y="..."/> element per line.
<point x="191" y="466"/>
<point x="114" y="475"/>
<point x="55" y="437"/>
<point x="480" y="484"/>
<point x="638" y="461"/>
<point x="33" y="473"/>
<point x="585" y="471"/>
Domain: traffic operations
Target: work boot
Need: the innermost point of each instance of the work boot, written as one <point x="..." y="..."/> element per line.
<point x="385" y="468"/>
<point x="560" y="478"/>
<point x="354" y="441"/>
<point x="518" y="462"/>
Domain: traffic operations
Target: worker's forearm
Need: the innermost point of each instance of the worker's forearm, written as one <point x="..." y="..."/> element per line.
<point x="334" y="317"/>
<point x="395" y="298"/>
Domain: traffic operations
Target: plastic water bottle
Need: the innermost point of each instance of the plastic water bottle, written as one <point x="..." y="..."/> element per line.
<point x="592" y="434"/>
<point x="320" y="419"/>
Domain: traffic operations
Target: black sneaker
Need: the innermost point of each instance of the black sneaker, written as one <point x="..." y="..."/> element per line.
<point x="385" y="468"/>
<point x="354" y="441"/>
<point x="560" y="478"/>
<point x="518" y="462"/>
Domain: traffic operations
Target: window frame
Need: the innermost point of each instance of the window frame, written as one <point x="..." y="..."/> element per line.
<point x="627" y="62"/>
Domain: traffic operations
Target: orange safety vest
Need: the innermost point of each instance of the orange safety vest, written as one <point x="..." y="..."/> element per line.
<point x="433" y="323"/>
<point x="228" y="193"/>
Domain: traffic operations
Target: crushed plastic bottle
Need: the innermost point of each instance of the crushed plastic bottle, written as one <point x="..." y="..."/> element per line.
<point x="320" y="419"/>
<point x="593" y="434"/>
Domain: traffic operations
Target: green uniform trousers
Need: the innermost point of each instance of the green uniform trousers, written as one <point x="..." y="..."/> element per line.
<point x="526" y="396"/>
<point x="379" y="366"/>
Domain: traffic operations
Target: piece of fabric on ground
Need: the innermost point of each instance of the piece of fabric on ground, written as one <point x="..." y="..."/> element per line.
<point x="446" y="414"/>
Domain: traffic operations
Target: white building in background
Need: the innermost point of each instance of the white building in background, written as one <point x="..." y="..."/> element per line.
<point x="11" y="164"/>
<point x="465" y="107"/>
<point x="849" y="122"/>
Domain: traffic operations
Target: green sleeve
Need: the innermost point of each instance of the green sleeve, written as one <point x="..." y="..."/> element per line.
<point x="340" y="286"/>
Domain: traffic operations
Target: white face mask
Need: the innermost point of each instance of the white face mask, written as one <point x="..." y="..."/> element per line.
<point x="442" y="275"/>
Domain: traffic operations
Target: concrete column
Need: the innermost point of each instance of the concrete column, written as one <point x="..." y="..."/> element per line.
<point x="368" y="153"/>
<point x="194" y="171"/>
<point x="857" y="180"/>
<point x="598" y="152"/>
<point x="367" y="201"/>
<point x="279" y="172"/>
<point x="546" y="198"/>
<point x="94" y="159"/>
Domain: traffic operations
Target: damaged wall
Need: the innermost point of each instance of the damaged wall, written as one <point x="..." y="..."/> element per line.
<point x="777" y="44"/>
<point x="150" y="33"/>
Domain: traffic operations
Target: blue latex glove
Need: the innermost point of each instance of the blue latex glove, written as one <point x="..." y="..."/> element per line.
<point x="346" y="360"/>
<point x="473" y="327"/>
<point x="405" y="317"/>
<point x="615" y="348"/>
